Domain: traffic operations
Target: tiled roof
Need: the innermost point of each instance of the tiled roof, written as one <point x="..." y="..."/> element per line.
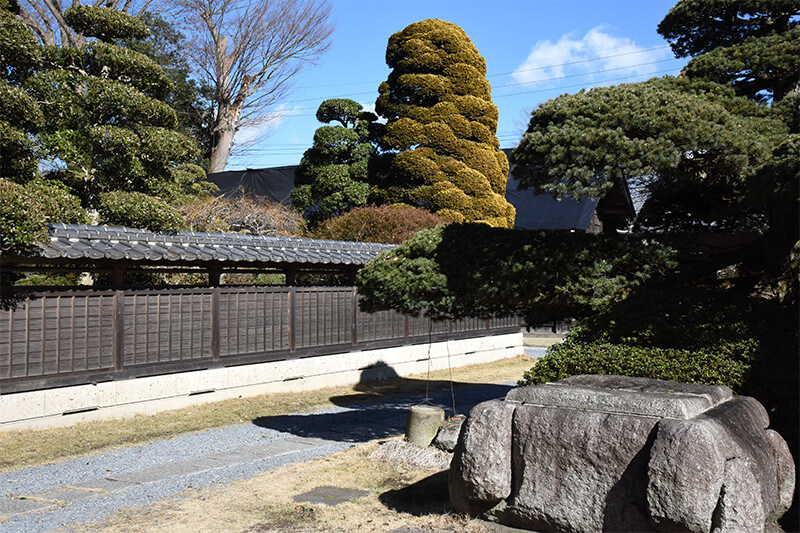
<point x="82" y="242"/>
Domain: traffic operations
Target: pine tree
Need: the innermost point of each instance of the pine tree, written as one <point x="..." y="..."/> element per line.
<point x="333" y="175"/>
<point x="106" y="127"/>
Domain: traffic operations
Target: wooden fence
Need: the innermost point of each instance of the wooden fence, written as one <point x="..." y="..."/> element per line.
<point x="59" y="338"/>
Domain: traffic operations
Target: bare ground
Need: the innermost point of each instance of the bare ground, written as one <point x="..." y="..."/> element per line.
<point x="397" y="497"/>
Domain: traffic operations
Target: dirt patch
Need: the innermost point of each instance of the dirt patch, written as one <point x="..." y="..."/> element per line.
<point x="397" y="497"/>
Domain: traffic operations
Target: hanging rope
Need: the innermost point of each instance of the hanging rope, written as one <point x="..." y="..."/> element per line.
<point x="450" y="368"/>
<point x="428" y="376"/>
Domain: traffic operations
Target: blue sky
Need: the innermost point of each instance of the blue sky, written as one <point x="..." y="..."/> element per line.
<point x="535" y="50"/>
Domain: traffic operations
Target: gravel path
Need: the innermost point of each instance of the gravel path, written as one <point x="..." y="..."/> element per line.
<point x="54" y="496"/>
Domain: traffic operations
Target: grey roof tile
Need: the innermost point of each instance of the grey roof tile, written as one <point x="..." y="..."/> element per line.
<point x="78" y="241"/>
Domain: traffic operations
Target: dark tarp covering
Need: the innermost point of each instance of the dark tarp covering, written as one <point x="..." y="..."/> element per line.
<point x="542" y="211"/>
<point x="273" y="183"/>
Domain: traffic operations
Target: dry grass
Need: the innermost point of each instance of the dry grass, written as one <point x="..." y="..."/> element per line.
<point x="25" y="448"/>
<point x="414" y="499"/>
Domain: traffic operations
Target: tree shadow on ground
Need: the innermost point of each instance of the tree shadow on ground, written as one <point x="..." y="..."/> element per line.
<point x="379" y="409"/>
<point x="426" y="496"/>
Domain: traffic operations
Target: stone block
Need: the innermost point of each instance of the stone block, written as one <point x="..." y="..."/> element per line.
<point x="612" y="453"/>
<point x="480" y="472"/>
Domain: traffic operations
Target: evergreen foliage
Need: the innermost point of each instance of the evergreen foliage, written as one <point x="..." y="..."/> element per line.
<point x="26" y="210"/>
<point x="390" y="224"/>
<point x="333" y="176"/>
<point x="138" y="210"/>
<point x="92" y="118"/>
<point x="475" y="270"/>
<point x="105" y="120"/>
<point x="190" y="99"/>
<point x="751" y="44"/>
<point x="442" y="125"/>
<point x="692" y="145"/>
<point x="20" y="116"/>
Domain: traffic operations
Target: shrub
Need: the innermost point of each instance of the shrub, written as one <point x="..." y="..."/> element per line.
<point x="687" y="333"/>
<point x="243" y="214"/>
<point x="687" y="366"/>
<point x="387" y="224"/>
<point x="138" y="210"/>
<point x="26" y="210"/>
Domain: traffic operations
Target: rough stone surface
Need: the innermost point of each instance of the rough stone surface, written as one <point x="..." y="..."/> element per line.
<point x="480" y="472"/>
<point x="594" y="480"/>
<point x="621" y="394"/>
<point x="447" y="437"/>
<point x="422" y="424"/>
<point x="785" y="473"/>
<point x="609" y="453"/>
<point x="696" y="467"/>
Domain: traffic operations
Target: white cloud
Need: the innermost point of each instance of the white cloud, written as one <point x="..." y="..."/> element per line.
<point x="594" y="52"/>
<point x="368" y="107"/>
<point x="250" y="133"/>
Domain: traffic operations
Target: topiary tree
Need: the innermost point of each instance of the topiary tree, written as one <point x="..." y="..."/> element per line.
<point x="20" y="116"/>
<point x="333" y="175"/>
<point x="106" y="127"/>
<point x="441" y="127"/>
<point x="391" y="224"/>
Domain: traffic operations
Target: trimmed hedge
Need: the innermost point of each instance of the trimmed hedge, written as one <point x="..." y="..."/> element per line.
<point x="681" y="332"/>
<point x="687" y="366"/>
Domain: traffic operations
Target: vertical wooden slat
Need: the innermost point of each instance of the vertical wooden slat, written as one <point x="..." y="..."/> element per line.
<point x="58" y="334"/>
<point x="215" y="323"/>
<point x="170" y="317"/>
<point x="119" y="329"/>
<point x="27" y="337"/>
<point x="44" y="319"/>
<point x="291" y="325"/>
<point x="10" y="343"/>
<point x="354" y="315"/>
<point x="72" y="334"/>
<point x="86" y="333"/>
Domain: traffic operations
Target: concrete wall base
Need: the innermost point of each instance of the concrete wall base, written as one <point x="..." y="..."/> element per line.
<point x="118" y="399"/>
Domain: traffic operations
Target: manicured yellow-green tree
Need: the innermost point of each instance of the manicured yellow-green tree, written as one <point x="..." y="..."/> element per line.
<point x="440" y="136"/>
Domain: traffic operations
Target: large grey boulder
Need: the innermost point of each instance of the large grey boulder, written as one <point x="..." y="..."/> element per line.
<point x="611" y="453"/>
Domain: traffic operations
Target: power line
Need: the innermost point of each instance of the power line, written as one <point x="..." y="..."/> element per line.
<point x="590" y="73"/>
<point x="583" y="85"/>
<point x="568" y="63"/>
<point x="581" y="61"/>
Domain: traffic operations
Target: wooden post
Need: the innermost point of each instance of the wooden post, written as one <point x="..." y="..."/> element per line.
<point x="354" y="310"/>
<point x="291" y="276"/>
<point x="214" y="274"/>
<point x="117" y="276"/>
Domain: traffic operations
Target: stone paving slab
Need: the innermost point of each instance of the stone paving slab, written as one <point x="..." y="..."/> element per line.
<point x="12" y="506"/>
<point x="167" y="471"/>
<point x="63" y="494"/>
<point x="330" y="495"/>
<point x="105" y="485"/>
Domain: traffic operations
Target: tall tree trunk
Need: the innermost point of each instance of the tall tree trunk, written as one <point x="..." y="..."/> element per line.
<point x="221" y="149"/>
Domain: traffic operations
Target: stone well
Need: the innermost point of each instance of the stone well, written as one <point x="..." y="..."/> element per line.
<point x="611" y="453"/>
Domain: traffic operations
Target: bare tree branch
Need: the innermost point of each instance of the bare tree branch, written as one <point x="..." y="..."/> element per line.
<point x="249" y="50"/>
